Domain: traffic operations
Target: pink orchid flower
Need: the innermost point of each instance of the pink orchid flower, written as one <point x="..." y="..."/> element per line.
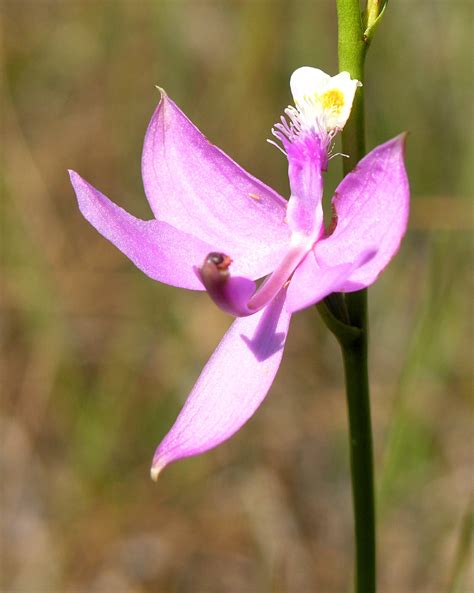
<point x="213" y="218"/>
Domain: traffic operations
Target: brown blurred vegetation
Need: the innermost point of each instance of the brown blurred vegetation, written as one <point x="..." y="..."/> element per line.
<point x="97" y="358"/>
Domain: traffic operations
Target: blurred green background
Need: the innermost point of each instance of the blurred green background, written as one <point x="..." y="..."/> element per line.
<point x="98" y="359"/>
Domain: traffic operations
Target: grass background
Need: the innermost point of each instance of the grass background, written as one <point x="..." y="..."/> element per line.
<point x="98" y="359"/>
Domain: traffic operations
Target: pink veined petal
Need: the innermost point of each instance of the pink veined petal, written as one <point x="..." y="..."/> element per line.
<point x="164" y="253"/>
<point x="312" y="281"/>
<point x="195" y="187"/>
<point x="231" y="387"/>
<point x="372" y="204"/>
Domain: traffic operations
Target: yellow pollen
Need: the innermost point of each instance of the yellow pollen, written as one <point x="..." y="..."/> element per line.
<point x="333" y="100"/>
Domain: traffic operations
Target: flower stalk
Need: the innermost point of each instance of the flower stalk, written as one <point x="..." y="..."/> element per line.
<point x="352" y="48"/>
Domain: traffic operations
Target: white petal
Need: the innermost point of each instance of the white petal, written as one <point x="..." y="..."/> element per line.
<point x="323" y="102"/>
<point x="306" y="82"/>
<point x="336" y="100"/>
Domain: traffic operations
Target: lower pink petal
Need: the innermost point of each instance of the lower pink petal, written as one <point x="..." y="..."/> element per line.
<point x="231" y="387"/>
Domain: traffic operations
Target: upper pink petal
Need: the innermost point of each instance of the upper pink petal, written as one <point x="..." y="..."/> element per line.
<point x="198" y="189"/>
<point x="372" y="204"/>
<point x="161" y="251"/>
<point x="231" y="387"/>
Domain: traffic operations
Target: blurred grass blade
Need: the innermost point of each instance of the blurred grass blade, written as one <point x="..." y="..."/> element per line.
<point x="463" y="552"/>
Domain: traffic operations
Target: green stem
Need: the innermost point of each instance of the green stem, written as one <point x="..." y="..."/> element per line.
<point x="352" y="50"/>
<point x="360" y="434"/>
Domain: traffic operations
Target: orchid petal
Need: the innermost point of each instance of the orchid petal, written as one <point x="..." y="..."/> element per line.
<point x="307" y="81"/>
<point x="161" y="251"/>
<point x="231" y="387"/>
<point x="197" y="188"/>
<point x="312" y="281"/>
<point x="372" y="205"/>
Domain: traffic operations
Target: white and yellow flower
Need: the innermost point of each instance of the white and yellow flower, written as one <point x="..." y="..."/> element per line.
<point x="323" y="102"/>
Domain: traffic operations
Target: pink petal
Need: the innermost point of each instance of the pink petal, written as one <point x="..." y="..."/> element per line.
<point x="161" y="251"/>
<point x="231" y="387"/>
<point x="312" y="281"/>
<point x="372" y="205"/>
<point x="195" y="187"/>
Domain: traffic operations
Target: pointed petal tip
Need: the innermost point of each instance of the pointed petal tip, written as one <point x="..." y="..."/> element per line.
<point x="76" y="179"/>
<point x="162" y="91"/>
<point x="402" y="138"/>
<point x="399" y="140"/>
<point x="80" y="186"/>
<point x="156" y="470"/>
